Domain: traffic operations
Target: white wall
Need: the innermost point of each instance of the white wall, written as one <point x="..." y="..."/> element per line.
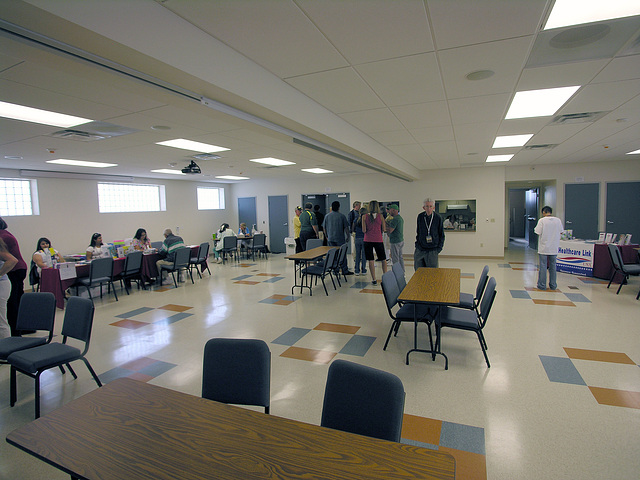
<point x="69" y="215"/>
<point x="486" y="185"/>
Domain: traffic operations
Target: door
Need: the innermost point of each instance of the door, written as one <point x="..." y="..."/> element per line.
<point x="517" y="213"/>
<point x="581" y="212"/>
<point x="247" y="212"/>
<point x="345" y="206"/>
<point x="531" y="215"/>
<point x="623" y="205"/>
<point x="278" y="222"/>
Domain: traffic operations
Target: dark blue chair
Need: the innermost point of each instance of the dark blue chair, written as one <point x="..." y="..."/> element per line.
<point x="237" y="371"/>
<point x="78" y="322"/>
<point x="471" y="301"/>
<point x="363" y="400"/>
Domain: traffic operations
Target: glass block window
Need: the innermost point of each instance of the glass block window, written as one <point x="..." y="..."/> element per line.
<point x="123" y="197"/>
<point x="210" y="198"/>
<point x="15" y="197"/>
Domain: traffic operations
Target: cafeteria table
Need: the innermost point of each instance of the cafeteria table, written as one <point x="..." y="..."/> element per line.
<point x="131" y="429"/>
<point x="431" y="286"/>
<point x="311" y="255"/>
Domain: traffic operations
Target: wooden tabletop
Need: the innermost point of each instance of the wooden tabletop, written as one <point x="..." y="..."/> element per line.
<point x="131" y="429"/>
<point x="312" y="254"/>
<point x="433" y="285"/>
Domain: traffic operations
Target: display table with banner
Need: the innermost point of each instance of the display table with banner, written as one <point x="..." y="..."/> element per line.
<point x="576" y="257"/>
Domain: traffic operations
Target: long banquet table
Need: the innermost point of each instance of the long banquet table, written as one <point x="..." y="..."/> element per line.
<point x="131" y="429"/>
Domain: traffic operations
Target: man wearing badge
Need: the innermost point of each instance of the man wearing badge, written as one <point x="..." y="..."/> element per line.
<point x="429" y="237"/>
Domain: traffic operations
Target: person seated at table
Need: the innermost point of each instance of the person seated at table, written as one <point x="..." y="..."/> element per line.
<point x="223" y="232"/>
<point x="140" y="240"/>
<point x="45" y="254"/>
<point x="244" y="231"/>
<point x="96" y="248"/>
<point x="167" y="254"/>
<point x="448" y="224"/>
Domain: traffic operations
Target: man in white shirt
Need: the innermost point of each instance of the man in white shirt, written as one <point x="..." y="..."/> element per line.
<point x="548" y="230"/>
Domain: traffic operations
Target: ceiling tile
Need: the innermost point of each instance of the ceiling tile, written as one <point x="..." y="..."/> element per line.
<point x="373" y="121"/>
<point x="422" y="115"/>
<point x="489" y="108"/>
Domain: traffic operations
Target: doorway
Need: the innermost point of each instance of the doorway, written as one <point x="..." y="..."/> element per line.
<point x="278" y="222"/>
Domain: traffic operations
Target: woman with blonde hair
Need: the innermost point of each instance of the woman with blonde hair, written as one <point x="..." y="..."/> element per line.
<point x="373" y="225"/>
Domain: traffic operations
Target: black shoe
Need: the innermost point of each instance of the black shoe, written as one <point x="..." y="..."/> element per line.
<point x="347" y="273"/>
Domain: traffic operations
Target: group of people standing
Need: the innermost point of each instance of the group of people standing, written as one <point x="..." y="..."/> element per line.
<point x="367" y="226"/>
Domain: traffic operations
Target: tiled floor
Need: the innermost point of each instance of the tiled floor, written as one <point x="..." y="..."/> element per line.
<point x="561" y="399"/>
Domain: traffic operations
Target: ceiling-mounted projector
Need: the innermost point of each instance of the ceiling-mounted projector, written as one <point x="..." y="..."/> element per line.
<point x="192" y="169"/>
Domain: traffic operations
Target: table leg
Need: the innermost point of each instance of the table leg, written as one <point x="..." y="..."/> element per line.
<point x="433" y="351"/>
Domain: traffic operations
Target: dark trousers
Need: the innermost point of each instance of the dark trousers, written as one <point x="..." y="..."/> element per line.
<point x="304" y="236"/>
<point x="16" y="278"/>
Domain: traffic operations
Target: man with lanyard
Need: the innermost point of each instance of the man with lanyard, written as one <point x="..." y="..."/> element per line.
<point x="336" y="229"/>
<point x="429" y="238"/>
<point x="308" y="225"/>
<point x="395" y="228"/>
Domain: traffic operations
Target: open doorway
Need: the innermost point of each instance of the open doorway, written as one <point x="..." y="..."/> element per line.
<point x="523" y="206"/>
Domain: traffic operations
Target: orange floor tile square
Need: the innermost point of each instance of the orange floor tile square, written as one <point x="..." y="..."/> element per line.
<point x="138" y="363"/>
<point x="370" y="290"/>
<point x="175" y="308"/>
<point x="131" y="324"/>
<point x="334" y="327"/>
<point x="246" y="282"/>
<point x="421" y="429"/>
<point x="561" y="303"/>
<point x="268" y="275"/>
<point x="308" y="354"/>
<point x="470" y="466"/>
<point x="282" y="302"/>
<point x="616" y="398"/>
<point x="141" y="377"/>
<point x="162" y="289"/>
<point x="598" y="356"/>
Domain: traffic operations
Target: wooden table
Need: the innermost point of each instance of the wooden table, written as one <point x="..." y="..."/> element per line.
<point x="431" y="286"/>
<point x="133" y="430"/>
<point x="305" y="257"/>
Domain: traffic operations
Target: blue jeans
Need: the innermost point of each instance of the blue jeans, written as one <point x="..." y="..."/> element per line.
<point x="542" y="272"/>
<point x="360" y="260"/>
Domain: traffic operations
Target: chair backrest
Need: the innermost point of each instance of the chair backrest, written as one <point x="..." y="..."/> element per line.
<point x="203" y="252"/>
<point x="183" y="255"/>
<point x="37" y="311"/>
<point x="487" y="301"/>
<point x="259" y="240"/>
<point x="237" y="370"/>
<point x="342" y="254"/>
<point x="78" y="320"/>
<point x="34" y="276"/>
<point x="133" y="262"/>
<point x="397" y="270"/>
<point x="230" y="242"/>
<point x="482" y="282"/>
<point x="330" y="260"/>
<point x="616" y="258"/>
<point x="363" y="400"/>
<point x="390" y="290"/>
<point x="313" y="243"/>
<point x="101" y="267"/>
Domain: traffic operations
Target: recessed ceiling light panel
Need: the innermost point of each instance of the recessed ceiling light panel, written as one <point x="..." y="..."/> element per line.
<point x="511" y="140"/>
<point x="635" y="152"/>
<point x="170" y="172"/>
<point x="576" y="12"/>
<point x="499" y="158"/>
<point x="35" y="115"/>
<point x="539" y="103"/>
<point x="274" y="162"/>
<point x="191" y="145"/>
<point x="82" y="163"/>
<point x="317" y="170"/>
<point x="231" y="177"/>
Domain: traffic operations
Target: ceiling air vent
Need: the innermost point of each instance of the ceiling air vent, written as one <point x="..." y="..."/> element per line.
<point x="206" y="156"/>
<point x="79" y="135"/>
<point x="570" y="118"/>
<point x="542" y="146"/>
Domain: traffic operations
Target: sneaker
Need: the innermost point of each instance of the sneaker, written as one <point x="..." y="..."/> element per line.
<point x="167" y="281"/>
<point x="219" y="260"/>
<point x="374" y="282"/>
<point x="347" y="273"/>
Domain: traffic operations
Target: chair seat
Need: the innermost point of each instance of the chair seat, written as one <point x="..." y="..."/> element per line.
<point x="313" y="270"/>
<point x="457" y="317"/>
<point x="51" y="354"/>
<point x="96" y="281"/>
<point x="632" y="269"/>
<point x="466" y="300"/>
<point x="14" y="344"/>
<point x="422" y="312"/>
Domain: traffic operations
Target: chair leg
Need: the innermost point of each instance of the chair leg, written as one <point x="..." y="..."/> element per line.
<point x="75" y="377"/>
<point x="92" y="372"/>
<point x="611" y="279"/>
<point x="394" y="326"/>
<point x="624" y="280"/>
<point x="37" y="394"/>
<point x="484" y="352"/>
<point x="191" y="274"/>
<point x="12" y="387"/>
<point x="111" y="285"/>
<point x="325" y="286"/>
<point x="173" y="275"/>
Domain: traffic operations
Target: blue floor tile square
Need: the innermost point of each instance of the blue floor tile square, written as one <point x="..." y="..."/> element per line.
<point x="360" y="285"/>
<point x="114" y="374"/>
<point x="242" y="277"/>
<point x="577" y="297"/>
<point x="291" y="336"/>
<point x="520" y="294"/>
<point x="269" y="300"/>
<point x="462" y="437"/>
<point x="157" y="368"/>
<point x="177" y="316"/>
<point x="273" y="280"/>
<point x="135" y="312"/>
<point x="561" y="370"/>
<point x="504" y="265"/>
<point x="358" y="345"/>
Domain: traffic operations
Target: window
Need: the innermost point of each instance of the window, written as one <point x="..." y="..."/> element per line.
<point x="118" y="197"/>
<point x="210" y="198"/>
<point x="15" y="197"/>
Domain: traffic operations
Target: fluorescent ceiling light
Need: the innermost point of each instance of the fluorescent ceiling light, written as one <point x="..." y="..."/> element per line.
<point x="499" y="158"/>
<point x="82" y="163"/>
<point x="635" y="152"/>
<point x="576" y="12"/>
<point x="191" y="145"/>
<point x="276" y="162"/>
<point x="35" y="115"/>
<point x="316" y="170"/>
<point x="511" y="140"/>
<point x="231" y="177"/>
<point x="169" y="171"/>
<point x="539" y="103"/>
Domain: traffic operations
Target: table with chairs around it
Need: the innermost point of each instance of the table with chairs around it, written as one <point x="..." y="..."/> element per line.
<point x="107" y="433"/>
<point x="135" y="266"/>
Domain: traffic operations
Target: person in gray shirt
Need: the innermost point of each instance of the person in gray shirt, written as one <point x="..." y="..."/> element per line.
<point x="337" y="230"/>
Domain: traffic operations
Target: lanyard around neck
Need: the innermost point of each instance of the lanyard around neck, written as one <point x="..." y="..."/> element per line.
<point x="429" y="224"/>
